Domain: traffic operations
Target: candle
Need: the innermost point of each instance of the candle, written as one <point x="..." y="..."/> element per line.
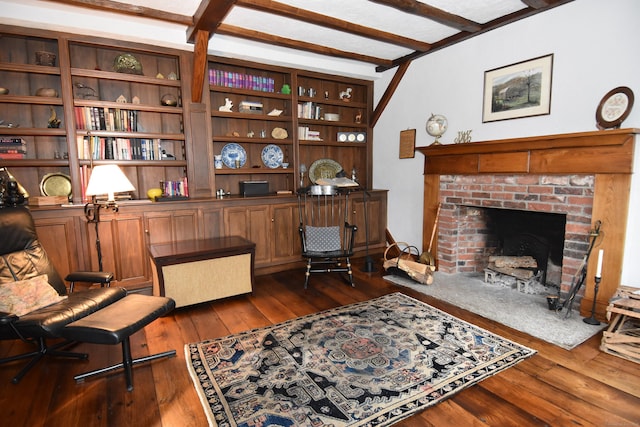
<point x="599" y="268"/>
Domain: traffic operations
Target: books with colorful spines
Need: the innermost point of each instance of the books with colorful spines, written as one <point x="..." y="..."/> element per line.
<point x="12" y="156"/>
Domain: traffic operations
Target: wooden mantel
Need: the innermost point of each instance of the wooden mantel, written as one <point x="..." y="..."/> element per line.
<point x="608" y="155"/>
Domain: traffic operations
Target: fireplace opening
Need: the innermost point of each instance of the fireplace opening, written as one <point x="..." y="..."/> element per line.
<point x="539" y="235"/>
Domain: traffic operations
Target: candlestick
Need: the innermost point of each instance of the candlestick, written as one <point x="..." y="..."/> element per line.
<point x="592" y="320"/>
<point x="599" y="268"/>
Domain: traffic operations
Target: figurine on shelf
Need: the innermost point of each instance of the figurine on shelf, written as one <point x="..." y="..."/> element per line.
<point x="228" y="105"/>
<point x="54" y="121"/>
<point x="345" y="95"/>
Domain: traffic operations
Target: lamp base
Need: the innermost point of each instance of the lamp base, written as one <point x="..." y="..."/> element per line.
<point x="369" y="266"/>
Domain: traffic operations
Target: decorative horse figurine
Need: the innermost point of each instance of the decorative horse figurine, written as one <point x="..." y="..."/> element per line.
<point x="345" y="95"/>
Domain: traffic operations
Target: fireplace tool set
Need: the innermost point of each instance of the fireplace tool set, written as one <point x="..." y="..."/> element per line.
<point x="581" y="275"/>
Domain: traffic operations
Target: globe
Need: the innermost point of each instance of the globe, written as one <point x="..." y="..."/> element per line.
<point x="437" y="126"/>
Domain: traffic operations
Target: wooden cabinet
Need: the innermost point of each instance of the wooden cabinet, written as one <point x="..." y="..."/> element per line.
<point x="332" y="122"/>
<point x="127" y="108"/>
<point x="251" y="123"/>
<point x="252" y="223"/>
<point x="34" y="125"/>
<point x="307" y="116"/>
<point x="125" y="103"/>
<point x="369" y="213"/>
<point x="96" y="101"/>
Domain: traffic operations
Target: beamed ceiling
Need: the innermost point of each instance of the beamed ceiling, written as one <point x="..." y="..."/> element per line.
<point x="385" y="33"/>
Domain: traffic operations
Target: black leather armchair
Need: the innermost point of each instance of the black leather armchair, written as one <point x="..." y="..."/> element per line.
<point x="23" y="257"/>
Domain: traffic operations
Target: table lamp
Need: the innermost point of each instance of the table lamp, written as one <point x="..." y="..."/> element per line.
<point x="105" y="179"/>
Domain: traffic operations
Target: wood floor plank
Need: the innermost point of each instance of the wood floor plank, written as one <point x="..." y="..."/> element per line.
<point x="583" y="386"/>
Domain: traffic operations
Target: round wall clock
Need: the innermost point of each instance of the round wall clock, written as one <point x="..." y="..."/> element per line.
<point x="614" y="108"/>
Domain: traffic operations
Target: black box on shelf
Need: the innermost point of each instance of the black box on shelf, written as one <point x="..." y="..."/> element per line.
<point x="254" y="188"/>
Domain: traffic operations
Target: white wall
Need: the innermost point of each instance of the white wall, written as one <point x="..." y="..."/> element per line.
<point x="594" y="52"/>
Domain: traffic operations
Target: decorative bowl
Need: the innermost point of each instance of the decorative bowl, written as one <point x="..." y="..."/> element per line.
<point x="47" y="91"/>
<point x="127" y="63"/>
<point x="4" y="91"/>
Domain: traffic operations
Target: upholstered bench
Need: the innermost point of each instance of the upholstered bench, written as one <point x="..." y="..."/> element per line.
<point x="115" y="324"/>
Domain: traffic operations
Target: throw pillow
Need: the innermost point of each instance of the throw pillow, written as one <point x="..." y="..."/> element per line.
<point x="323" y="239"/>
<point x="24" y="296"/>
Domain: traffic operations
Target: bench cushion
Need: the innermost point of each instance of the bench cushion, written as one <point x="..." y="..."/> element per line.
<point x="114" y="323"/>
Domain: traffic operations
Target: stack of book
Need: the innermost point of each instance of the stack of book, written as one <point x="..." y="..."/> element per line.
<point x="12" y="148"/>
<point x="250" y="107"/>
<point x="306" y="134"/>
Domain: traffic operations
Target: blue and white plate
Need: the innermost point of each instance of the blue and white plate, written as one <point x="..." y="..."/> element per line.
<point x="232" y="152"/>
<point x="272" y="156"/>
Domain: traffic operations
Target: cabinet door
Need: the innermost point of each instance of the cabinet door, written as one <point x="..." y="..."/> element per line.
<point x="285" y="240"/>
<point x="375" y="220"/>
<point x="59" y="238"/>
<point x="212" y="220"/>
<point x="163" y="227"/>
<point x="252" y="223"/>
<point x="123" y="248"/>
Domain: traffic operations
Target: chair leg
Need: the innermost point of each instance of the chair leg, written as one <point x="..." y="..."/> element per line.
<point x="307" y="273"/>
<point x="350" y="272"/>
<point x="127" y="363"/>
<point x="36" y="355"/>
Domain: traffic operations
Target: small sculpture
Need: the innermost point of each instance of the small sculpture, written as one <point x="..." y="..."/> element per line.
<point x="54" y="121"/>
<point x="121" y="99"/>
<point x="463" y="137"/>
<point x="345" y="95"/>
<point x="228" y="105"/>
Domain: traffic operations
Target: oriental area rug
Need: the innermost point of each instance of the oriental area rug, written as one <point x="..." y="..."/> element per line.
<point x="372" y="363"/>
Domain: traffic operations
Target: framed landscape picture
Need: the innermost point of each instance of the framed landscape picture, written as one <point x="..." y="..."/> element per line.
<point x="518" y="90"/>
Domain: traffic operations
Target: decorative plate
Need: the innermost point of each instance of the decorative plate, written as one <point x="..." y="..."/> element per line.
<point x="232" y="152"/>
<point x="323" y="168"/>
<point x="614" y="107"/>
<point x="56" y="184"/>
<point x="272" y="156"/>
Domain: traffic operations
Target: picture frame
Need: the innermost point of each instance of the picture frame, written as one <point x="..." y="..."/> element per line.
<point x="518" y="90"/>
<point x="407" y="143"/>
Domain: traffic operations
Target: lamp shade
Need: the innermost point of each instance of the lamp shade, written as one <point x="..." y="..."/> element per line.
<point x="108" y="179"/>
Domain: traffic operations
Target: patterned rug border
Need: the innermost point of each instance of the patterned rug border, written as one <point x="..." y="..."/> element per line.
<point x="421" y="401"/>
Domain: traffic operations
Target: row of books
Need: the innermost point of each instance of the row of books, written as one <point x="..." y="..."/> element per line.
<point x="309" y="110"/>
<point x="108" y="148"/>
<point x="304" y="133"/>
<point x="178" y="188"/>
<point x="12" y="148"/>
<point x="103" y="118"/>
<point x="241" y="81"/>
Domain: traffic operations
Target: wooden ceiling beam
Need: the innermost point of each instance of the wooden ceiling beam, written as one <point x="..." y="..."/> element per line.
<point x="208" y="17"/>
<point x="457" y="38"/>
<point x="424" y="10"/>
<point x="129" y="9"/>
<point x="257" y="36"/>
<point x="540" y="4"/>
<point x="307" y="16"/>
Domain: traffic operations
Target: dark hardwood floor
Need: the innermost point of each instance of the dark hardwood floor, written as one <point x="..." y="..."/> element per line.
<point x="556" y="387"/>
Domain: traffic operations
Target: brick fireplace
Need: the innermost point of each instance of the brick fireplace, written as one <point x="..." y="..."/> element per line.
<point x="464" y="245"/>
<point x="585" y="175"/>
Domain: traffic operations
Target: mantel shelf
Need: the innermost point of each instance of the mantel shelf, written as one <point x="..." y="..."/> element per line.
<point x="589" y="152"/>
